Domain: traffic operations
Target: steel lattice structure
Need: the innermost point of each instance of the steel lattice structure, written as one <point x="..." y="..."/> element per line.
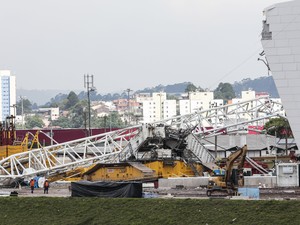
<point x="119" y="145"/>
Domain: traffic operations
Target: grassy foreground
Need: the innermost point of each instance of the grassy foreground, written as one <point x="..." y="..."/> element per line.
<point x="48" y="210"/>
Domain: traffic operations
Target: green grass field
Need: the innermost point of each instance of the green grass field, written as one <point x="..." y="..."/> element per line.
<point x="48" y="210"/>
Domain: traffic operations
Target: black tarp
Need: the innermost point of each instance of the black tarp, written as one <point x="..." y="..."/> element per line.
<point x="107" y="189"/>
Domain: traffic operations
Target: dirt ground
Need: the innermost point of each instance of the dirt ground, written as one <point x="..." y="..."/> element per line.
<point x="264" y="193"/>
<point x="64" y="190"/>
<point x="55" y="190"/>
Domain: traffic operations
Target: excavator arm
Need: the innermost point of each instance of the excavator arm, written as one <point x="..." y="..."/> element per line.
<point x="240" y="153"/>
<point x="225" y="183"/>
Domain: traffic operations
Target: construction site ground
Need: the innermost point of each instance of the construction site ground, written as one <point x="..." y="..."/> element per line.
<point x="64" y="190"/>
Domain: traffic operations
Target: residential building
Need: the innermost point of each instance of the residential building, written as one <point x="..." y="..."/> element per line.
<point x="122" y="105"/>
<point x="196" y="101"/>
<point x="158" y="108"/>
<point x="52" y="113"/>
<point x="103" y="108"/>
<point x="8" y="94"/>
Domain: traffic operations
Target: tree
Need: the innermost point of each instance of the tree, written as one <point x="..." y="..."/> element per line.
<point x="34" y="121"/>
<point x="27" y="106"/>
<point x="190" y="88"/>
<point x="112" y="120"/>
<point x="62" y="121"/>
<point x="78" y="115"/>
<point x="72" y="100"/>
<point x="172" y="97"/>
<point x="279" y="127"/>
<point x="224" y="91"/>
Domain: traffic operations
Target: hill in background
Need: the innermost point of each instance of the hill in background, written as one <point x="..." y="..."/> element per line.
<point x="261" y="84"/>
<point x="40" y="97"/>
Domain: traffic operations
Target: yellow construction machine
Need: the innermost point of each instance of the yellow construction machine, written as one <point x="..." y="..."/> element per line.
<point x="233" y="176"/>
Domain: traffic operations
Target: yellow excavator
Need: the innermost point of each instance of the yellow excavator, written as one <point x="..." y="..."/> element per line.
<point x="233" y="176"/>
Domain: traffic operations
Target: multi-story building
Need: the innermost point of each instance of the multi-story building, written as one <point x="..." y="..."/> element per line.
<point x="8" y="94"/>
<point x="158" y="108"/>
<point x="123" y="106"/>
<point x="196" y="101"/>
<point x="52" y="113"/>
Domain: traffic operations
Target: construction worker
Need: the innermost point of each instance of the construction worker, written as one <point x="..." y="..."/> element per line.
<point x="31" y="184"/>
<point x="46" y="186"/>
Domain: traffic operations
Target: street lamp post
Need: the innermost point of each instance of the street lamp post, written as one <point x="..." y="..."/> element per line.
<point x="89" y="85"/>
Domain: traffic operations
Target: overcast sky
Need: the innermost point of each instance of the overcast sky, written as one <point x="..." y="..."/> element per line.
<point x="134" y="44"/>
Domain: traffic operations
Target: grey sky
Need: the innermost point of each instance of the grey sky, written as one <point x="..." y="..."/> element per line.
<point x="130" y="43"/>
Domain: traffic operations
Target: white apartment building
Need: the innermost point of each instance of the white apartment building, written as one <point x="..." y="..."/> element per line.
<point x="216" y="103"/>
<point x="53" y="113"/>
<point x="158" y="108"/>
<point x="143" y="97"/>
<point x="196" y="101"/>
<point x="8" y="94"/>
<point x="245" y="96"/>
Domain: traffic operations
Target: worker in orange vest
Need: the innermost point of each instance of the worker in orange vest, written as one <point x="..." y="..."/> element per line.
<point x="31" y="183"/>
<point x="46" y="186"/>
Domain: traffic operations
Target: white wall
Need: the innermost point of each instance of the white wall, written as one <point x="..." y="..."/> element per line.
<point x="149" y="112"/>
<point x="281" y="43"/>
<point x="247" y="95"/>
<point x="169" y="109"/>
<point x="184" y="107"/>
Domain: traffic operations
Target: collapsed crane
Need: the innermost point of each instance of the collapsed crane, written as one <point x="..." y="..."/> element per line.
<point x="180" y="136"/>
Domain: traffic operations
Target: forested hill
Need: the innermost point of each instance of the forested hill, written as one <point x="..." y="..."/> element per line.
<point x="170" y="89"/>
<point x="261" y="84"/>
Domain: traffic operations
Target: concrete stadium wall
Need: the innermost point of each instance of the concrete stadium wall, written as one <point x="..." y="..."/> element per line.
<point x="184" y="181"/>
<point x="260" y="181"/>
<point x="253" y="181"/>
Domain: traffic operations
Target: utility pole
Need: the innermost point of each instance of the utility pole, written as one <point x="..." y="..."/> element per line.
<point x="22" y="111"/>
<point x="14" y="106"/>
<point x="89" y="85"/>
<point x="160" y="106"/>
<point x="128" y="90"/>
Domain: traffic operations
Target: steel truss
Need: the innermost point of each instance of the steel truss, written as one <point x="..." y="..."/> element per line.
<point x="119" y="145"/>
